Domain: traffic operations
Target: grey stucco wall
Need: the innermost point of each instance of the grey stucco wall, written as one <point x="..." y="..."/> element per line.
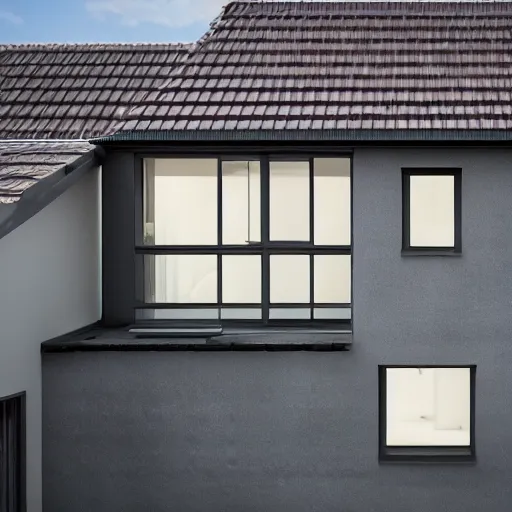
<point x="49" y="285"/>
<point x="269" y="431"/>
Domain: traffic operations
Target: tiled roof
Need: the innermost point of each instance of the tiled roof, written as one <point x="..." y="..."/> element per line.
<point x="342" y="66"/>
<point x="78" y="91"/>
<point x="22" y="165"/>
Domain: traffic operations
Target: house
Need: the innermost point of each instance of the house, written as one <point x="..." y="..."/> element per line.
<point x="305" y="297"/>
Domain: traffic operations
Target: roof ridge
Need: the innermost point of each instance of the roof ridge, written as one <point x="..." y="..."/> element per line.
<point x="216" y="22"/>
<point x="363" y="3"/>
<point x="250" y="8"/>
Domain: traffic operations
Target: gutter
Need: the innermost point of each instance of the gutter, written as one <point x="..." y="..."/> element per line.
<point x="39" y="141"/>
<point x="307" y="135"/>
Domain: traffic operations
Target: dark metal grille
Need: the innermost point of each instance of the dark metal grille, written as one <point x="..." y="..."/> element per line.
<point x="12" y="454"/>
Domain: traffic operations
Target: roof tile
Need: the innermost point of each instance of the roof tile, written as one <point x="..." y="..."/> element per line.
<point x="40" y="82"/>
<point x="277" y="65"/>
<point x="22" y="165"/>
<point x="297" y="65"/>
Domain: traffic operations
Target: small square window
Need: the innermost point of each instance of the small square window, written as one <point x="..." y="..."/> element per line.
<point x="432" y="210"/>
<point x="427" y="413"/>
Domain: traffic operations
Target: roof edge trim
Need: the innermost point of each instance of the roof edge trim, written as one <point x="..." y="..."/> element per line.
<point x="45" y="192"/>
<point x="40" y="141"/>
<point x="306" y="135"/>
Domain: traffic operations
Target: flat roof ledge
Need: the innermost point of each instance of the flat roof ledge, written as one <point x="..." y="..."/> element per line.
<point x="97" y="339"/>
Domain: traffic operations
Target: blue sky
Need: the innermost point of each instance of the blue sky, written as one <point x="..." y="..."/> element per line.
<point x="79" y="21"/>
<point x="61" y="21"/>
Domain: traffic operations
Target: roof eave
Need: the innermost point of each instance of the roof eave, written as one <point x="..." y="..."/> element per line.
<point x="308" y="135"/>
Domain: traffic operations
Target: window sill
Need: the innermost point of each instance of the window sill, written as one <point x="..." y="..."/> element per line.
<point x="427" y="455"/>
<point x="406" y="253"/>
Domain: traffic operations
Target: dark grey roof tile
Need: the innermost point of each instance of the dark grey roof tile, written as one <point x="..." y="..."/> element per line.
<point x="212" y="110"/>
<point x="390" y="124"/>
<point x="130" y="125"/>
<point x="194" y="124"/>
<point x="46" y="79"/>
<point x="22" y="165"/>
<point x="291" y="66"/>
<point x="218" y="124"/>
<point x="206" y="124"/>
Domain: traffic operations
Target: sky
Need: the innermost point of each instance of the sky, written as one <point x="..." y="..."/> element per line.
<point x="84" y="21"/>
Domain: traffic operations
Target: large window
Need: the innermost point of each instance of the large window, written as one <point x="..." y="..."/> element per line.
<point x="12" y="454"/>
<point x="432" y="210"/>
<point x="260" y="239"/>
<point x="427" y="412"/>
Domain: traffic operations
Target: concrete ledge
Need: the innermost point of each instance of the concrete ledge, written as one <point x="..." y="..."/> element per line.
<point x="97" y="339"/>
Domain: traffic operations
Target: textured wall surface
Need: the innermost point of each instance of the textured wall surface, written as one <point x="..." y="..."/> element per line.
<point x="49" y="285"/>
<point x="295" y="430"/>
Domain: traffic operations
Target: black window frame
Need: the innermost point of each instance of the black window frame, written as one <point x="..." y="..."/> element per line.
<point x="407" y="249"/>
<point x="13" y="493"/>
<point x="265" y="248"/>
<point x="440" y="454"/>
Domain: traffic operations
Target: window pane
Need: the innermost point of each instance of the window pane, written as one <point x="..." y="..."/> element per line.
<point x="289" y="314"/>
<point x="332" y="278"/>
<point x="289" y="201"/>
<point x="177" y="314"/>
<point x="241" y="203"/>
<point x="332" y="314"/>
<point x="332" y="201"/>
<point x="241" y="314"/>
<point x="289" y="279"/>
<point x="428" y="406"/>
<point x="183" y="278"/>
<point x="180" y="201"/>
<point x="241" y="279"/>
<point x="432" y="205"/>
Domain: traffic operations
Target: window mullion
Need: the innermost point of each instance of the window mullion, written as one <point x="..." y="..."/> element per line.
<point x="406" y="207"/>
<point x="219" y="232"/>
<point x="249" y="239"/>
<point x="265" y="235"/>
<point x="311" y="284"/>
<point x="144" y="202"/>
<point x="311" y="235"/>
<point x="311" y="201"/>
<point x="458" y="211"/>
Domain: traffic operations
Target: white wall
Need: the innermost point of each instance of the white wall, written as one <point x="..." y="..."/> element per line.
<point x="49" y="285"/>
